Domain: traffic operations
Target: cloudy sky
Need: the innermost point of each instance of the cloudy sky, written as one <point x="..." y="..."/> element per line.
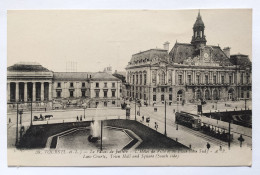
<point x="96" y="39"/>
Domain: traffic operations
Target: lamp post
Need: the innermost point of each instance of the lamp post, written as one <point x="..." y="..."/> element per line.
<point x="21" y="131"/>
<point x="31" y="112"/>
<point x="165" y="133"/>
<point x="101" y="135"/>
<point x="135" y="109"/>
<point x="84" y="111"/>
<point x="16" y="141"/>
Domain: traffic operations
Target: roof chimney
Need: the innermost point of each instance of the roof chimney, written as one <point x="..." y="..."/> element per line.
<point x="166" y="46"/>
<point x="226" y="50"/>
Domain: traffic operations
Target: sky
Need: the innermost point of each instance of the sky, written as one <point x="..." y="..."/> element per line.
<point x="97" y="39"/>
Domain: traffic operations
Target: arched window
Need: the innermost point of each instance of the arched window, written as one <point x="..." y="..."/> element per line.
<point x="215" y="94"/>
<point x="230" y="94"/>
<point x="154" y="77"/>
<point x="198" y="95"/>
<point x="207" y="97"/>
<point x="179" y="96"/>
<point x="162" y="78"/>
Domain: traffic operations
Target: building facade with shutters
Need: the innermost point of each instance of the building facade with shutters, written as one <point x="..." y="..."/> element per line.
<point x="189" y="73"/>
<point x="31" y="82"/>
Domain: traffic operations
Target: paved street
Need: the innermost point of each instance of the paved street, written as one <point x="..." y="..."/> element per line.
<point x="191" y="138"/>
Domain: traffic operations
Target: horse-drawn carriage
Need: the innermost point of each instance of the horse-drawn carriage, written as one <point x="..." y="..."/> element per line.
<point x="41" y="118"/>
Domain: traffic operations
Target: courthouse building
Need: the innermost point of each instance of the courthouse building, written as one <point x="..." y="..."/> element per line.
<point x="189" y="72"/>
<point x="28" y="82"/>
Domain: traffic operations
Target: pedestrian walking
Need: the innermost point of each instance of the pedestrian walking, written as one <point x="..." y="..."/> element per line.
<point x="142" y="118"/>
<point x="45" y="109"/>
<point x="81" y="118"/>
<point x="10" y="120"/>
<point x="220" y="148"/>
<point x="208" y="145"/>
<point x="155" y="126"/>
<point x="77" y="118"/>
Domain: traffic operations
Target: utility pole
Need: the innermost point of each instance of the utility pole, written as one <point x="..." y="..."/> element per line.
<point x="16" y="141"/>
<point x="165" y="133"/>
<point x="31" y="112"/>
<point x="245" y="103"/>
<point x="135" y="109"/>
<point x="229" y="136"/>
<point x="101" y="135"/>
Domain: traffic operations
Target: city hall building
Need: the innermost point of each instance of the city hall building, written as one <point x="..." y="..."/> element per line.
<point x="189" y="73"/>
<point x="31" y="82"/>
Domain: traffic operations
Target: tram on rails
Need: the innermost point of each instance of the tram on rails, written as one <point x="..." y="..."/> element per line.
<point x="187" y="119"/>
<point x="193" y="121"/>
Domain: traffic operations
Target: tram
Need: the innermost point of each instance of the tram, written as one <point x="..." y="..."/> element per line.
<point x="187" y="119"/>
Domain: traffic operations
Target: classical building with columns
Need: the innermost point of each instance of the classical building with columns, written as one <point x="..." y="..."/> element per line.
<point x="31" y="82"/>
<point x="189" y="72"/>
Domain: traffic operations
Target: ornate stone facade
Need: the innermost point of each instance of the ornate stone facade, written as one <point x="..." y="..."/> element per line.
<point x="189" y="73"/>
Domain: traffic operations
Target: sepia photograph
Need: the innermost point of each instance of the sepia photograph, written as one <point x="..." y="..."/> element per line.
<point x="129" y="87"/>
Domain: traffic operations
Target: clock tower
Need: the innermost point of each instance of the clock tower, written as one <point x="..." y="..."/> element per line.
<point x="198" y="38"/>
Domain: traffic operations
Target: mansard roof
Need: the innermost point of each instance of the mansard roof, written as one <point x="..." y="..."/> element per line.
<point x="103" y="76"/>
<point x="148" y="55"/>
<point x="240" y="60"/>
<point x="72" y="76"/>
<point x="183" y="51"/>
<point x="27" y="67"/>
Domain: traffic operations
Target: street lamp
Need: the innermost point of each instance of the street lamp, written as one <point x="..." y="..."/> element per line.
<point x="84" y="111"/>
<point x="165" y="133"/>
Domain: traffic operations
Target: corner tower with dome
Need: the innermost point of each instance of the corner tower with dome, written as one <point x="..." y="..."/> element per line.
<point x="189" y="72"/>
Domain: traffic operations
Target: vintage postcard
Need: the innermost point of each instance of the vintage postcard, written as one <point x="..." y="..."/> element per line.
<point x="129" y="87"/>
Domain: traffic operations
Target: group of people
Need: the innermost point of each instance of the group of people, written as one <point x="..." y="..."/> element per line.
<point x="79" y="118"/>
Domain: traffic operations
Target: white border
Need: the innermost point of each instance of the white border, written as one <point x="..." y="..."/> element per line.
<point x="131" y="4"/>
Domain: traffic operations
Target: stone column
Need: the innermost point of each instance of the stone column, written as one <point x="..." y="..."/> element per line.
<point x="17" y="91"/>
<point x="50" y="91"/>
<point x="25" y="91"/>
<point x="42" y="91"/>
<point x="33" y="91"/>
<point x="8" y="92"/>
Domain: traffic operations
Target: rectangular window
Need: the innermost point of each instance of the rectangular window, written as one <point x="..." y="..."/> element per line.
<point x="136" y="79"/>
<point x="241" y="78"/>
<point x="162" y="97"/>
<point x="154" y="89"/>
<point x="113" y="93"/>
<point x="105" y="93"/>
<point x="71" y="93"/>
<point x="215" y="79"/>
<point x="133" y="79"/>
<point x="170" y="97"/>
<point x="58" y="94"/>
<point x="83" y="84"/>
<point x="154" y="97"/>
<point x="83" y="93"/>
<point x="113" y="85"/>
<point x="206" y="79"/>
<point x="113" y="102"/>
<point x="170" y="89"/>
<point x="247" y="94"/>
<point x="71" y="84"/>
<point x="141" y="79"/>
<point x="189" y="79"/>
<point x="97" y="85"/>
<point x="105" y="85"/>
<point x="144" y="96"/>
<point x="144" y="79"/>
<point x="97" y="94"/>
<point x="179" y="79"/>
<point x="242" y="94"/>
<point x="59" y="85"/>
<point x="197" y="79"/>
<point x="162" y="89"/>
<point x="222" y="79"/>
